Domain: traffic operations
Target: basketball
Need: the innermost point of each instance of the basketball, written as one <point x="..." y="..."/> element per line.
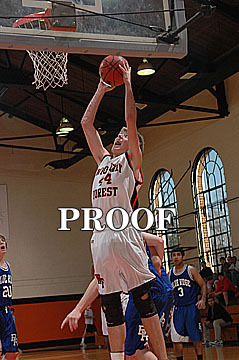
<point x="110" y="71"/>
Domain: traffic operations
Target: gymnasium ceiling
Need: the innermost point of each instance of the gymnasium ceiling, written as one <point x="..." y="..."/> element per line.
<point x="213" y="53"/>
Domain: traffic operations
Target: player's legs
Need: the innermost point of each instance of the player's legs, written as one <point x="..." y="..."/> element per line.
<point x="194" y="328"/>
<point x="144" y="354"/>
<point x="153" y="329"/>
<point x="136" y="336"/>
<point x="178" y="320"/>
<point x="178" y="333"/>
<point x="8" y="335"/>
<point x="83" y="337"/>
<point x="117" y="335"/>
<point x="163" y="304"/>
<point x="111" y="305"/>
<point x="145" y="305"/>
<point x="178" y="349"/>
<point x="198" y="349"/>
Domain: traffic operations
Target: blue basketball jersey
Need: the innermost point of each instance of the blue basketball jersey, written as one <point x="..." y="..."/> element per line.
<point x="155" y="285"/>
<point x="166" y="280"/>
<point x="5" y="286"/>
<point x="184" y="287"/>
<point x="161" y="290"/>
<point x="162" y="284"/>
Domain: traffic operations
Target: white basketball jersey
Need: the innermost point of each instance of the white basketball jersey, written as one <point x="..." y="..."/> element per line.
<point x="114" y="185"/>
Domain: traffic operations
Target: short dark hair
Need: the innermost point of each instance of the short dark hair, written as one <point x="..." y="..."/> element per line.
<point x="210" y="296"/>
<point x="210" y="278"/>
<point x="178" y="249"/>
<point x="222" y="258"/>
<point x="140" y="138"/>
<point x="220" y="274"/>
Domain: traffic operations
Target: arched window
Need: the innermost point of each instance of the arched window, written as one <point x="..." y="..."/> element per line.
<point x="210" y="203"/>
<point x="162" y="194"/>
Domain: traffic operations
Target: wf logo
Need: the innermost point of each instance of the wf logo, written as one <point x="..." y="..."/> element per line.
<point x="100" y="280"/>
<point x="14" y="339"/>
<point x="142" y="333"/>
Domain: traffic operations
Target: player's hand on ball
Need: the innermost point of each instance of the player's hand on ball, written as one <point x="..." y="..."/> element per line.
<point x="126" y="70"/>
<point x="72" y="319"/>
<point x="105" y="87"/>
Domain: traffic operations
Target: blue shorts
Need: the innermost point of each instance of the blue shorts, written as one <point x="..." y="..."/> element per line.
<point x="136" y="337"/>
<point x="8" y="333"/>
<point x="186" y="323"/>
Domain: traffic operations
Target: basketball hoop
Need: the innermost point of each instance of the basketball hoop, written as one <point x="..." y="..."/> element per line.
<point x="50" y="68"/>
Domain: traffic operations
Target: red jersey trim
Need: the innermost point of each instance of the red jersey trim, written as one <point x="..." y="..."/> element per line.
<point x="130" y="165"/>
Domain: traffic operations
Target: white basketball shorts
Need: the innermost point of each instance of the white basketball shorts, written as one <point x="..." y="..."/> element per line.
<point x="120" y="260"/>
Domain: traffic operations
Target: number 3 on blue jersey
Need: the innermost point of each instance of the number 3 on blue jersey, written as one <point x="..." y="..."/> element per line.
<point x="180" y="291"/>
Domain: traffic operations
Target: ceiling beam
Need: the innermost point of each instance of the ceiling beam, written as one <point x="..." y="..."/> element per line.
<point x="23" y="147"/>
<point x="24" y="116"/>
<point x="224" y="67"/>
<point x="25" y="137"/>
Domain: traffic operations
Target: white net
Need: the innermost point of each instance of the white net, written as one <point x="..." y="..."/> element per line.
<point x="50" y="68"/>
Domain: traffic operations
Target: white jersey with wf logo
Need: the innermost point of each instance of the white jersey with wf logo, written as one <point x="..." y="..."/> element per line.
<point x="120" y="258"/>
<point x="114" y="185"/>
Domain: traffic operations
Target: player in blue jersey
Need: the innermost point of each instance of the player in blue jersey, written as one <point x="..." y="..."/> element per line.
<point x="186" y="319"/>
<point x="136" y="338"/>
<point x="8" y="332"/>
<point x="136" y="344"/>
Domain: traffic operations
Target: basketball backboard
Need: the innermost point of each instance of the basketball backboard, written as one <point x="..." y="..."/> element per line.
<point x="127" y="28"/>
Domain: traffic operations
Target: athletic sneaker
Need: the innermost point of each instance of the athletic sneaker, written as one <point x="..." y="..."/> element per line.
<point x="217" y="343"/>
<point x="207" y="343"/>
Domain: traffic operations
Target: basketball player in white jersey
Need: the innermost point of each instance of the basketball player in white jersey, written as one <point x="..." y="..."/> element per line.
<point x="119" y="257"/>
<point x="141" y="348"/>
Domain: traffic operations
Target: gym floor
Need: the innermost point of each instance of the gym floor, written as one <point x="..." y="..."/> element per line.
<point x="224" y="353"/>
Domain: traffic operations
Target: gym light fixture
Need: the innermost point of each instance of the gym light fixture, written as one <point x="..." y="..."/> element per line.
<point x="65" y="127"/>
<point x="145" y="68"/>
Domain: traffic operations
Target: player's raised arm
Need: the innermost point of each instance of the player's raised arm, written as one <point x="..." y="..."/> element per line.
<point x="155" y="241"/>
<point x="156" y="245"/>
<point x="130" y="118"/>
<point x="92" y="136"/>
<point x="197" y="277"/>
<point x="74" y="316"/>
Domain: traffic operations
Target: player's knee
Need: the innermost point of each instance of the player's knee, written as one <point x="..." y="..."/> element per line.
<point x="143" y="301"/>
<point x="111" y="305"/>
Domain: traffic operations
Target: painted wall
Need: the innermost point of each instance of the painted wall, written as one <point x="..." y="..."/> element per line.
<point x="40" y="322"/>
